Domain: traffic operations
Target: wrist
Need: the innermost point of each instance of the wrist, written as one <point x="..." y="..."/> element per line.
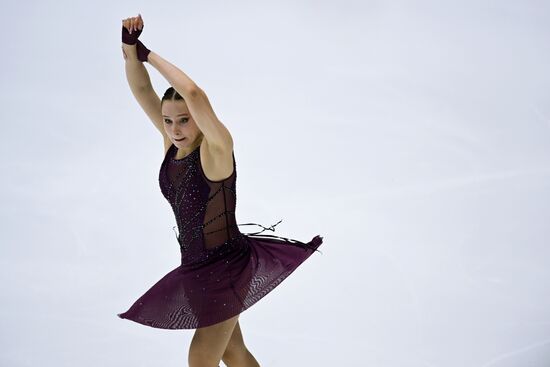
<point x="142" y="52"/>
<point x="129" y="53"/>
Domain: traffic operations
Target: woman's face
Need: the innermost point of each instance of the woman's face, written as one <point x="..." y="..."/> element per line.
<point x="179" y="124"/>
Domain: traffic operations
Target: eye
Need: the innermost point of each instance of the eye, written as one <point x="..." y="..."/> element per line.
<point x="185" y="118"/>
<point x="167" y="121"/>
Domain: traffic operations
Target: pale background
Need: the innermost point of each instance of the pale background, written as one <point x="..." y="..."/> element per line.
<point x="414" y="136"/>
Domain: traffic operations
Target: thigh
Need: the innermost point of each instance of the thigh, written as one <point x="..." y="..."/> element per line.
<point x="209" y="343"/>
<point x="235" y="350"/>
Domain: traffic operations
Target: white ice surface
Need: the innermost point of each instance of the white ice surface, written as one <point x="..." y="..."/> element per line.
<point x="414" y="136"/>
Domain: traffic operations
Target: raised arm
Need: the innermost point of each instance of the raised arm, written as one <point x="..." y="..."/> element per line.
<point x="215" y="132"/>
<point x="141" y="87"/>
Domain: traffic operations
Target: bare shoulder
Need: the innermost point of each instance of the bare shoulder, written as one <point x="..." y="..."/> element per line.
<point x="216" y="161"/>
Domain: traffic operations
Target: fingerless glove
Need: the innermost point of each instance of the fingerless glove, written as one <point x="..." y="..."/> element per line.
<point x="132" y="39"/>
<point x="142" y="51"/>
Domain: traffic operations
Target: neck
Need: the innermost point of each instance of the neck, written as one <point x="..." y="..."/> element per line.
<point x="185" y="151"/>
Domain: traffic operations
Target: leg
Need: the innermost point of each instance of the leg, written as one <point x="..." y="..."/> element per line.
<point x="236" y="354"/>
<point x="209" y="343"/>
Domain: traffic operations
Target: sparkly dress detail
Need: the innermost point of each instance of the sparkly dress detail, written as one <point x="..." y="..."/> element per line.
<point x="223" y="271"/>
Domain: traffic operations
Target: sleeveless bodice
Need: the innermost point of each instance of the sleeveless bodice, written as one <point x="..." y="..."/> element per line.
<point x="223" y="271"/>
<point x="204" y="209"/>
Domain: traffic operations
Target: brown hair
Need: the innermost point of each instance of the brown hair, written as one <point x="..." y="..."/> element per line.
<point x="171" y="95"/>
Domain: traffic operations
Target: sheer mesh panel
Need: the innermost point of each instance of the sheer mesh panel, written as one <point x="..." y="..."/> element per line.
<point x="219" y="225"/>
<point x="177" y="172"/>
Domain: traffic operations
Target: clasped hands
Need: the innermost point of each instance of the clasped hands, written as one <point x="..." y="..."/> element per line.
<point x="131" y="29"/>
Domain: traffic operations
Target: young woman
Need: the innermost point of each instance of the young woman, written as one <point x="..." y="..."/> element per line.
<point x="223" y="271"/>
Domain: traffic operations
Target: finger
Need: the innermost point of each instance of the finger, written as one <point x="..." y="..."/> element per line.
<point x="131" y="25"/>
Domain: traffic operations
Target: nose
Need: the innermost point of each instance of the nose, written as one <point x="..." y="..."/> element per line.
<point x="176" y="131"/>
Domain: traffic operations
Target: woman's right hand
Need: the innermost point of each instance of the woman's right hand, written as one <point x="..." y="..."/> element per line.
<point x="131" y="29"/>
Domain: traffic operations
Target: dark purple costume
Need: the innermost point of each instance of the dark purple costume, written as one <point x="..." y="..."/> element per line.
<point x="223" y="271"/>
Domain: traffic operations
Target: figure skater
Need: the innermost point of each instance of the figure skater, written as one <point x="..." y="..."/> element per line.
<point x="223" y="271"/>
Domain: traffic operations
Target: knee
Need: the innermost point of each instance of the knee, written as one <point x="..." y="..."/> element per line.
<point x="239" y="357"/>
<point x="236" y="356"/>
<point x="198" y="358"/>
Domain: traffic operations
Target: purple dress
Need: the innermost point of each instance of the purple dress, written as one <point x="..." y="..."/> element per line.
<point x="223" y="271"/>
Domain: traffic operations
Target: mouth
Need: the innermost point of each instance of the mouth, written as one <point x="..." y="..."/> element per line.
<point x="179" y="139"/>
